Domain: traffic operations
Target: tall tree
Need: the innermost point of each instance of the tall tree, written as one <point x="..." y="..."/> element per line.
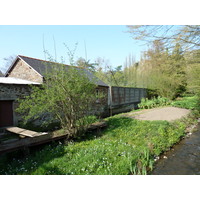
<point x="193" y="71"/>
<point x="187" y="35"/>
<point x="164" y="71"/>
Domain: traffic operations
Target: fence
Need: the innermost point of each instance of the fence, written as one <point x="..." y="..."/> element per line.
<point x="125" y="98"/>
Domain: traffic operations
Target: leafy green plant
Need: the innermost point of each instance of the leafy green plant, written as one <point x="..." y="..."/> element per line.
<point x="67" y="96"/>
<point x="154" y="102"/>
<point x="187" y="102"/>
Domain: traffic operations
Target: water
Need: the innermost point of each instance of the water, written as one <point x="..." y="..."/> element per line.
<point x="183" y="159"/>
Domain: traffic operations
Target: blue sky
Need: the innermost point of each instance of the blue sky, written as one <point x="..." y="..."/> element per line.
<point x="111" y="42"/>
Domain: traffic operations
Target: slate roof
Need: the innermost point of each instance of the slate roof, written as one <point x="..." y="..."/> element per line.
<point x="41" y="67"/>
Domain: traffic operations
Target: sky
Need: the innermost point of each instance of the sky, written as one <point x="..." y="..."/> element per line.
<point x="111" y="42"/>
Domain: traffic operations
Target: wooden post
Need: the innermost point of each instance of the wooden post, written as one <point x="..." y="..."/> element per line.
<point x="110" y="90"/>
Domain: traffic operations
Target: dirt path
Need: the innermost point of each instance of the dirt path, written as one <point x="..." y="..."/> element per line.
<point x="166" y="113"/>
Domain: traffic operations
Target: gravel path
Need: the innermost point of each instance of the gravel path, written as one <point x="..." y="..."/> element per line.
<point x="166" y="113"/>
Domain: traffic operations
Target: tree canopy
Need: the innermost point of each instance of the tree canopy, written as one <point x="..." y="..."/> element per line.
<point x="187" y="35"/>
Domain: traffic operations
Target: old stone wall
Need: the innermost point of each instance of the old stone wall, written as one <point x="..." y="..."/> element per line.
<point x="23" y="71"/>
<point x="11" y="92"/>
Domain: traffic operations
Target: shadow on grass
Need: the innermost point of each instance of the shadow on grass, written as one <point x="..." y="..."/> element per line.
<point x="113" y="123"/>
<point x="39" y="156"/>
<point x="13" y="163"/>
<point x="52" y="170"/>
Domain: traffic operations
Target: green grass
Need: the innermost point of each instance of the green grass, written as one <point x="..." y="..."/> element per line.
<point x="186" y="102"/>
<point x="127" y="146"/>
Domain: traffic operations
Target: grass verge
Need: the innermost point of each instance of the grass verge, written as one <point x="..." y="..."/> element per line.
<point x="127" y="146"/>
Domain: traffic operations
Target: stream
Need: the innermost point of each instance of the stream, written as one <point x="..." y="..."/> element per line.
<point x="182" y="159"/>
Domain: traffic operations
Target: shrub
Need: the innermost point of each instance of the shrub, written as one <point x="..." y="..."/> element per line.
<point x="67" y="96"/>
<point x="154" y="102"/>
<point x="186" y="102"/>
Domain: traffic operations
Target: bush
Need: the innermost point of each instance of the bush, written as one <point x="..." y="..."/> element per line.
<point x="67" y="96"/>
<point x="151" y="93"/>
<point x="154" y="102"/>
<point x="186" y="102"/>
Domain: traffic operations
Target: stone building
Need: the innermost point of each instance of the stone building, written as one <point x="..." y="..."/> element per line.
<point x="10" y="90"/>
<point x="26" y="71"/>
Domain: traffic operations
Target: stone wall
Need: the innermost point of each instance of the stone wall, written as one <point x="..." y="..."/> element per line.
<point x="23" y="71"/>
<point x="12" y="92"/>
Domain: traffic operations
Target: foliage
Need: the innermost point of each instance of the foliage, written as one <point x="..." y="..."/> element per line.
<point x="171" y="65"/>
<point x="154" y="102"/>
<point x="71" y="53"/>
<point x="109" y="75"/>
<point x="159" y="70"/>
<point x="187" y="35"/>
<point x="151" y="93"/>
<point x="67" y="96"/>
<point x="193" y="71"/>
<point x="164" y="71"/>
<point x="186" y="102"/>
<point x="81" y="62"/>
<point x="127" y="146"/>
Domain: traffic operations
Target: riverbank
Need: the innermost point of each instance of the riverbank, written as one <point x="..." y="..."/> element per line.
<point x="183" y="158"/>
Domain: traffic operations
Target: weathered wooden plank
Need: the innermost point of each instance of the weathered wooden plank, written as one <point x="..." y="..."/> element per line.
<point x="15" y="130"/>
<point x="24" y="132"/>
<point x="28" y="141"/>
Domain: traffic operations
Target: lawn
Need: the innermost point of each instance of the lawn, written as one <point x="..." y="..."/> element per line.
<point x="127" y="146"/>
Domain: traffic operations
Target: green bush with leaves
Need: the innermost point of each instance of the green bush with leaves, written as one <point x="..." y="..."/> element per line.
<point x="154" y="102"/>
<point x="187" y="102"/>
<point x="66" y="96"/>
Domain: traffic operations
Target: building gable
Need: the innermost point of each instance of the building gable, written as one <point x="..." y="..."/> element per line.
<point x="20" y="69"/>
